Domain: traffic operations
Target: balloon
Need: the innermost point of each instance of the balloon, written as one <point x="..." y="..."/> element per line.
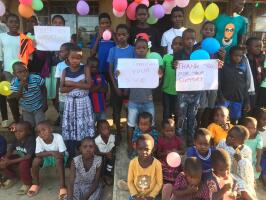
<point x="25" y="11"/>
<point x="196" y="14"/>
<point x="2" y="8"/>
<point x="173" y="159"/>
<point x="118" y="14"/>
<point x="5" y="88"/>
<point x="137" y="1"/>
<point x="37" y="5"/>
<point x="200" y="55"/>
<point x="212" y="12"/>
<point x="131" y="11"/>
<point x="120" y="5"/>
<point x="168" y="6"/>
<point x="158" y="11"/>
<point x="182" y="3"/>
<point x="211" y="45"/>
<point x="107" y="35"/>
<point x="83" y="8"/>
<point x="26" y="2"/>
<point x="154" y="55"/>
<point x="145" y="2"/>
<point x="151" y="19"/>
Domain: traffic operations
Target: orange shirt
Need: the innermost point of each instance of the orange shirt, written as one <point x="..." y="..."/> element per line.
<point x="218" y="133"/>
<point x="26" y="48"/>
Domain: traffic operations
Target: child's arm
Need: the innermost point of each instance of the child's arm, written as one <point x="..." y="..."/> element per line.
<point x="220" y="194"/>
<point x="63" y="87"/>
<point x="17" y="160"/>
<point x="56" y="154"/>
<point x="159" y="181"/>
<point x="18" y="92"/>
<point x="72" y="178"/>
<point x="96" y="42"/>
<point x="130" y="180"/>
<point x="44" y="94"/>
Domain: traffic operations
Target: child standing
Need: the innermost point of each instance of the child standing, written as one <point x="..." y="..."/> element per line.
<point x="85" y="172"/>
<point x="255" y="143"/>
<point x="50" y="152"/>
<point x="121" y="50"/>
<point x="31" y="92"/>
<point x="98" y="89"/>
<point x="78" y="120"/>
<point x="221" y="124"/>
<point x="19" y="155"/>
<point x="177" y="19"/>
<point x="188" y="102"/>
<point x="169" y="79"/>
<point x="144" y="172"/>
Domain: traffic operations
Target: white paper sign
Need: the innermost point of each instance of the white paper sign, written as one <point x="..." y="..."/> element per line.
<point x="50" y="38"/>
<point x="195" y="75"/>
<point x="138" y="73"/>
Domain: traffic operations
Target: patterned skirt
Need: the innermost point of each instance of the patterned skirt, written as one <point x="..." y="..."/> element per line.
<point x="78" y="121"/>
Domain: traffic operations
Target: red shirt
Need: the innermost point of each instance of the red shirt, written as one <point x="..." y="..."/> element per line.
<point x="165" y="144"/>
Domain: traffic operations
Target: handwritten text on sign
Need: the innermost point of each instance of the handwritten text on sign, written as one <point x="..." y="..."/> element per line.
<point x="138" y="73"/>
<point x="50" y="38"/>
<point x="195" y="75"/>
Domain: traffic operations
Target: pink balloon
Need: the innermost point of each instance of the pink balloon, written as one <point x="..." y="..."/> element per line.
<point x="158" y="11"/>
<point x="182" y="3"/>
<point x="118" y="14"/>
<point x="120" y="5"/>
<point x="83" y="7"/>
<point x="168" y="6"/>
<point x="131" y="11"/>
<point x="107" y="35"/>
<point x="26" y="2"/>
<point x="173" y="159"/>
<point x="145" y="2"/>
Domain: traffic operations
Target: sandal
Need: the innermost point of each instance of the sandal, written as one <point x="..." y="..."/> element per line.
<point x="9" y="183"/>
<point x="23" y="190"/>
<point x="62" y="193"/>
<point x="34" y="190"/>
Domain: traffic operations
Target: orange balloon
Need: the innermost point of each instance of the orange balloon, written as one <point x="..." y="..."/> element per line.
<point x="138" y="1"/>
<point x="25" y="11"/>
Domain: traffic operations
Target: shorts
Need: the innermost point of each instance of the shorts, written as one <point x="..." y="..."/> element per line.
<point x="34" y="117"/>
<point x="50" y="161"/>
<point x="134" y="109"/>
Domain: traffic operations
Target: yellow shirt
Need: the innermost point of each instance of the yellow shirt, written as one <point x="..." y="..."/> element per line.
<point x="218" y="133"/>
<point x="145" y="181"/>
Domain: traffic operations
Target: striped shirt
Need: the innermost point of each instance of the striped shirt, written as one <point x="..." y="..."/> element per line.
<point x="32" y="99"/>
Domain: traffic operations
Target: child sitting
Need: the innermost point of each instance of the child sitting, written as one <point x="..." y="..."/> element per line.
<point x="3" y="147"/>
<point x="221" y="183"/>
<point x="167" y="143"/>
<point x="202" y="150"/>
<point x="254" y="142"/>
<point x="221" y="124"/>
<point x="105" y="142"/>
<point x="85" y="172"/>
<point x="188" y="185"/>
<point x="19" y="155"/>
<point x="50" y="152"/>
<point x="144" y="172"/>
<point x="31" y="92"/>
<point x="98" y="90"/>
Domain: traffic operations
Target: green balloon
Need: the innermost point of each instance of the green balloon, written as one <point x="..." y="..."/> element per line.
<point x="152" y="20"/>
<point x="154" y="55"/>
<point x="37" y="5"/>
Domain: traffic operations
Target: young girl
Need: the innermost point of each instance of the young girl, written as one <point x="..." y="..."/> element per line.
<point x="85" y="173"/>
<point x="167" y="143"/>
<point x="255" y="143"/>
<point x="202" y="150"/>
<point x="221" y="184"/>
<point x="221" y="124"/>
<point x="144" y="172"/>
<point x="78" y="120"/>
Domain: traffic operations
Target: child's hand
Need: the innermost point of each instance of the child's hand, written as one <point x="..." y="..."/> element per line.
<point x="193" y="188"/>
<point x="237" y="157"/>
<point x="258" y="167"/>
<point x="175" y="63"/>
<point x="117" y="73"/>
<point x="160" y="72"/>
<point x="57" y="155"/>
<point x="220" y="64"/>
<point x="227" y="187"/>
<point x="247" y="108"/>
<point x="12" y="127"/>
<point x="222" y="53"/>
<point x="109" y="155"/>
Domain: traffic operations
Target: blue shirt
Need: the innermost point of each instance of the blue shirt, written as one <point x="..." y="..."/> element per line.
<point x="103" y="51"/>
<point x="32" y="99"/>
<point x="137" y="133"/>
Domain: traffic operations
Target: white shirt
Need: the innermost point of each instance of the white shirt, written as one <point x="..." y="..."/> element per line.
<point x="102" y="146"/>
<point x="168" y="37"/>
<point x="60" y="67"/>
<point x="9" y="50"/>
<point x="263" y="135"/>
<point x="56" y="145"/>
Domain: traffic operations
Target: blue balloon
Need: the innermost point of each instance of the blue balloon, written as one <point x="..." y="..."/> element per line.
<point x="200" y="55"/>
<point x="211" y="45"/>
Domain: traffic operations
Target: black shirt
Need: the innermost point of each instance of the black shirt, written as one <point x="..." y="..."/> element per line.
<point x="24" y="148"/>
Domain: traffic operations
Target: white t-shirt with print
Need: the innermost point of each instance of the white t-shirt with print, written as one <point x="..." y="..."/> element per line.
<point x="102" y="146"/>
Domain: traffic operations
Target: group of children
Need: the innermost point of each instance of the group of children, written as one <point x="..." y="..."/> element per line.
<point x="221" y="161"/>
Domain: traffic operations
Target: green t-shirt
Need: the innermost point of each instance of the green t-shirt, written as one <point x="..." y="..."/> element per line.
<point x="169" y="80"/>
<point x="263" y="83"/>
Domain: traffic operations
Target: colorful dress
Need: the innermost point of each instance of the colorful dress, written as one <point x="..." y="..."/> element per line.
<point x="85" y="179"/>
<point x="78" y="121"/>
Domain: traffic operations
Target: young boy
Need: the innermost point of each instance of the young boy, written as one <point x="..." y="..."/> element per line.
<point x="31" y="92"/>
<point x="20" y="154"/>
<point x="121" y="50"/>
<point x="142" y="15"/>
<point x="50" y="152"/>
<point x="177" y="19"/>
<point x="98" y="90"/>
<point x="233" y="91"/>
<point x="188" y="102"/>
<point x="101" y="47"/>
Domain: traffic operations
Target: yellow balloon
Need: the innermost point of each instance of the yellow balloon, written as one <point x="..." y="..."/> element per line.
<point x="212" y="12"/>
<point x="196" y="14"/>
<point x="5" y="88"/>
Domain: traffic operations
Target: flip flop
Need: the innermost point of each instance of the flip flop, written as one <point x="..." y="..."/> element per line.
<point x="62" y="193"/>
<point x="23" y="190"/>
<point x="34" y="190"/>
<point x="9" y="183"/>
